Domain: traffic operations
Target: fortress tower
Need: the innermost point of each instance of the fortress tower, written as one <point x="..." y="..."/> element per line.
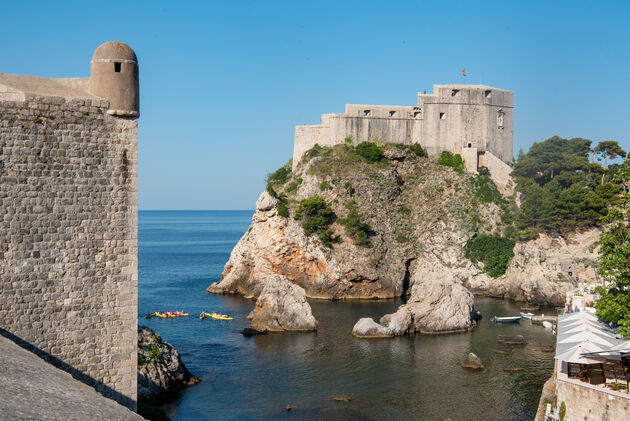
<point x="475" y="121"/>
<point x="115" y="78"/>
<point x="68" y="219"/>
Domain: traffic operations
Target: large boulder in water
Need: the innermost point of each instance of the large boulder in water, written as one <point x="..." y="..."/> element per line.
<point x="368" y="328"/>
<point x="161" y="372"/>
<point x="281" y="306"/>
<point x="435" y="306"/>
<point x="473" y="362"/>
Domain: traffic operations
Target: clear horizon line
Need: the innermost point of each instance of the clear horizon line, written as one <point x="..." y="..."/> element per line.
<point x="193" y="210"/>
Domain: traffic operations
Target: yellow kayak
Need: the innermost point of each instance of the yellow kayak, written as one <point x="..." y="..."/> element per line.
<point x="221" y="317"/>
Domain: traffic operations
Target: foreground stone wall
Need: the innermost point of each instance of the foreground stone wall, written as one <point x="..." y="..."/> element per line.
<point x="68" y="236"/>
<point x="589" y="402"/>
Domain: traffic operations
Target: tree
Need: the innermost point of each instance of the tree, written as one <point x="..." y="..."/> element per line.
<point x="614" y="260"/>
<point x="608" y="149"/>
<point x="557" y="193"/>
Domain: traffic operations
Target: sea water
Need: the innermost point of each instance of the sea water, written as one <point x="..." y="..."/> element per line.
<point x="405" y="378"/>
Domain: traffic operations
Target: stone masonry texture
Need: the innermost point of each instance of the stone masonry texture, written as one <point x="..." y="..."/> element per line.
<point x="34" y="390"/>
<point x="68" y="236"/>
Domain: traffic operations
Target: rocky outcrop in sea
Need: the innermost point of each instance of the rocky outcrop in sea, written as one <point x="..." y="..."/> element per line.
<point x="281" y="306"/>
<point x="422" y="215"/>
<point x="161" y="372"/>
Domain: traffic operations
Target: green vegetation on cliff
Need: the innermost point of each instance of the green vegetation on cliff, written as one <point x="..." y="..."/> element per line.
<point x="614" y="262"/>
<point x="494" y="251"/>
<point x="355" y="225"/>
<point x="452" y="160"/>
<point x="316" y="216"/>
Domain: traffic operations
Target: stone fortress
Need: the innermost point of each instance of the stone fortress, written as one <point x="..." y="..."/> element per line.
<point x="475" y="121"/>
<point x="68" y="219"/>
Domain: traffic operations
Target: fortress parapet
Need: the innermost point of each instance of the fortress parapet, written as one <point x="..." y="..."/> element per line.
<point x="475" y="121"/>
<point x="68" y="224"/>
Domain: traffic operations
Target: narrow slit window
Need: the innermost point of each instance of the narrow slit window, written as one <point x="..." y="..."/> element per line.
<point x="500" y="115"/>
<point x="117" y="67"/>
<point x="470" y="145"/>
<point x="442" y="116"/>
<point x="366" y="113"/>
<point x="455" y="92"/>
<point x="392" y="113"/>
<point x="488" y="94"/>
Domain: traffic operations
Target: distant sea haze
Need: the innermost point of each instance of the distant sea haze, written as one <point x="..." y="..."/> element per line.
<point x="182" y="252"/>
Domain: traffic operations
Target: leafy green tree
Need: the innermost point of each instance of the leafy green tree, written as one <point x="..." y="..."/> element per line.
<point x="614" y="259"/>
<point x="557" y="191"/>
<point x="608" y="149"/>
<point x="494" y="251"/>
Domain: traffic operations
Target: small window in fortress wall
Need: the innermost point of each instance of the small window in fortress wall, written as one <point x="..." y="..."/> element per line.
<point x="455" y="92"/>
<point x="500" y="115"/>
<point x="366" y="113"/>
<point x="442" y="116"/>
<point x="117" y="67"/>
<point x="487" y="94"/>
<point x="392" y="113"/>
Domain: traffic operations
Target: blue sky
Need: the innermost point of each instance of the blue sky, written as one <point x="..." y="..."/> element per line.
<point x="223" y="84"/>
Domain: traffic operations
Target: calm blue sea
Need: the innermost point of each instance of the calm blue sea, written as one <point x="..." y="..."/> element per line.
<point x="182" y="252"/>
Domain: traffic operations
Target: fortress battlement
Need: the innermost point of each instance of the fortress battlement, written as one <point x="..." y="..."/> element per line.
<point x="475" y="121"/>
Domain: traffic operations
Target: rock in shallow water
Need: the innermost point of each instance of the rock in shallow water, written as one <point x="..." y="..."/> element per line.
<point x="161" y="372"/>
<point x="434" y="307"/>
<point x="368" y="328"/>
<point x="281" y="306"/>
<point x="511" y="340"/>
<point x="473" y="362"/>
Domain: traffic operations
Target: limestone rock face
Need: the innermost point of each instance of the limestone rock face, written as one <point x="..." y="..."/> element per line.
<point x="161" y="372"/>
<point x="435" y="306"/>
<point x="266" y="202"/>
<point x="282" y="306"/>
<point x="417" y="235"/>
<point x="533" y="274"/>
<point x="368" y="328"/>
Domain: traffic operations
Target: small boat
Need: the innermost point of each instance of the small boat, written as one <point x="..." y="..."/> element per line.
<point x="527" y="316"/>
<point x="514" y="319"/>
<point x="221" y="317"/>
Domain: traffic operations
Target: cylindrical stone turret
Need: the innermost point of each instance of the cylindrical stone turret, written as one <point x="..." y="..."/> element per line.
<point x="115" y="78"/>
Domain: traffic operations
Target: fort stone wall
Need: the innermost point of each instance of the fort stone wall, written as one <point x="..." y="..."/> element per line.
<point x="68" y="218"/>
<point x="68" y="225"/>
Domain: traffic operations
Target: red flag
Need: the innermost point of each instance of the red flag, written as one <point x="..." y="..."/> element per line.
<point x="463" y="72"/>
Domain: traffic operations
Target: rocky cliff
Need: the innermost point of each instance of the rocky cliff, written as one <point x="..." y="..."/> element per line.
<point x="421" y="216"/>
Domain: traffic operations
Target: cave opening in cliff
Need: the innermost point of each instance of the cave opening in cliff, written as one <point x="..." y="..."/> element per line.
<point x="405" y="282"/>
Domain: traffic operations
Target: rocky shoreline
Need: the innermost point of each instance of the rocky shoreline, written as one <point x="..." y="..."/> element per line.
<point x="161" y="372"/>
